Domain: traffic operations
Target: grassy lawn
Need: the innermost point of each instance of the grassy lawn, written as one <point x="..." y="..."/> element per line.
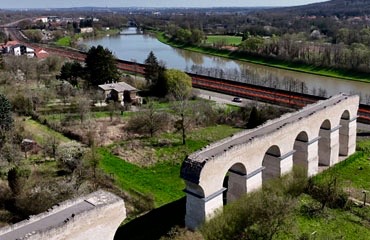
<point x="353" y="223"/>
<point x="228" y="40"/>
<point x="331" y="223"/>
<point x="353" y="173"/>
<point x="162" y="180"/>
<point x="64" y="41"/>
<point x="41" y="133"/>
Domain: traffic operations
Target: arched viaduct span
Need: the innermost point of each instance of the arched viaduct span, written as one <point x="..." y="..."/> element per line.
<point x="315" y="136"/>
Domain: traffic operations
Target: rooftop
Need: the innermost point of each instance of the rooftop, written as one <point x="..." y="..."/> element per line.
<point x="119" y="87"/>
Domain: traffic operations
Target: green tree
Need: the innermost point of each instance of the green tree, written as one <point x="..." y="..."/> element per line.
<point x="197" y="36"/>
<point x="6" y="120"/>
<point x="254" y="118"/>
<point x="92" y="159"/>
<point x="154" y="74"/>
<point x="16" y="179"/>
<point x="178" y="84"/>
<point x="100" y="66"/>
<point x="22" y="104"/>
<point x="70" y="72"/>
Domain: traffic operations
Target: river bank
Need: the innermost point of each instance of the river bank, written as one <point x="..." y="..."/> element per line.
<point x="291" y="66"/>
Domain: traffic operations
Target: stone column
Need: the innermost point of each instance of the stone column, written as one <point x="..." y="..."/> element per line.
<point x="200" y="209"/>
<point x="347" y="137"/>
<point x="254" y="180"/>
<point x="312" y="157"/>
<point x="286" y="163"/>
<point x="306" y="155"/>
<point x="329" y="146"/>
<point x="276" y="166"/>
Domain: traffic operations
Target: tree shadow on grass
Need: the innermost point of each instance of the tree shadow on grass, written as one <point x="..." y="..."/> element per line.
<point x="155" y="223"/>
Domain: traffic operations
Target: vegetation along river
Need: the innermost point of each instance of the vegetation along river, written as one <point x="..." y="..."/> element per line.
<point x="133" y="47"/>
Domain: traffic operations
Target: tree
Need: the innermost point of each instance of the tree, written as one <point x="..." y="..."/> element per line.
<point x="101" y="66"/>
<point x="82" y="106"/>
<point x="154" y="74"/>
<point x="22" y="104"/>
<point x="16" y="179"/>
<point x="254" y="118"/>
<point x="178" y="84"/>
<point x="92" y="159"/>
<point x="6" y="120"/>
<point x="70" y="72"/>
<point x="50" y="146"/>
<point x="179" y="87"/>
<point x="69" y="155"/>
<point x="149" y="121"/>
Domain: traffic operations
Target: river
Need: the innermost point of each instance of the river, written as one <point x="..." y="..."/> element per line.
<point x="136" y="48"/>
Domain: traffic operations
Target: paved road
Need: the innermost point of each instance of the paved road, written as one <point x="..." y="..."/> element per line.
<point x="224" y="98"/>
<point x="208" y="153"/>
<point x="52" y="220"/>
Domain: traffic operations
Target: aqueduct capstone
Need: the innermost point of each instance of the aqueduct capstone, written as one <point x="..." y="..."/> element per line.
<point x="317" y="135"/>
<point x="94" y="216"/>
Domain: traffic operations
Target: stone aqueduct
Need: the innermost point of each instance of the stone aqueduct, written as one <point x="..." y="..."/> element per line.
<point x="318" y="135"/>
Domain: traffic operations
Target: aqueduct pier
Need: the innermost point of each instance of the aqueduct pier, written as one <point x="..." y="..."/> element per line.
<point x="315" y="136"/>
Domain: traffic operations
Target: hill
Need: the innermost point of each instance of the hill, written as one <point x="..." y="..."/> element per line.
<point x="339" y="8"/>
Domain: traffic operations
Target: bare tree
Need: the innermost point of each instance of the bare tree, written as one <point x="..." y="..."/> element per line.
<point x="150" y="120"/>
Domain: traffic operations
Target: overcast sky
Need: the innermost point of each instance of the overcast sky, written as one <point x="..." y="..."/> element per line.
<point x="149" y="3"/>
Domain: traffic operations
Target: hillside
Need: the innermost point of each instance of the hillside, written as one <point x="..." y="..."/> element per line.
<point x="339" y="8"/>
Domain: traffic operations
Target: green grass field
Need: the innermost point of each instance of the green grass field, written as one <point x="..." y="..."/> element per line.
<point x="228" y="40"/>
<point x="162" y="181"/>
<point x="330" y="224"/>
<point x="64" y="41"/>
<point x="41" y="133"/>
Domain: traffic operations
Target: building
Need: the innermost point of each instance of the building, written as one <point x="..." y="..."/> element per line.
<point x="20" y="49"/>
<point x="121" y="92"/>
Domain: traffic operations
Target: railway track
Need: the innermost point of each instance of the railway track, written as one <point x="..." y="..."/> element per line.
<point x="259" y="93"/>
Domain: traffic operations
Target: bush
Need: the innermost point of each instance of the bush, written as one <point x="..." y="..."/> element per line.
<point x="69" y="155"/>
<point x="258" y="215"/>
<point x="328" y="192"/>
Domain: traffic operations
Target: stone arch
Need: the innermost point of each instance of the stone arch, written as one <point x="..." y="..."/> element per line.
<point x="235" y="183"/>
<point x="271" y="164"/>
<point x="344" y="134"/>
<point x="324" y="143"/>
<point x="300" y="147"/>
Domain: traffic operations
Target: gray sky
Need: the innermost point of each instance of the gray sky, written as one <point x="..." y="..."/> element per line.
<point x="150" y="3"/>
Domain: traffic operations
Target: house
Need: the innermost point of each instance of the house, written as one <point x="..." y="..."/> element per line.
<point x="17" y="49"/>
<point x="5" y="48"/>
<point x="86" y="30"/>
<point x="20" y="49"/>
<point x="121" y="92"/>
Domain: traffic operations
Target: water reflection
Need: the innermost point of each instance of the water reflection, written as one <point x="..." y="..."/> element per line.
<point x="137" y="47"/>
<point x="190" y="57"/>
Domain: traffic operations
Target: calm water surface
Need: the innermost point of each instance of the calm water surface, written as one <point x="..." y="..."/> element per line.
<point x="137" y="47"/>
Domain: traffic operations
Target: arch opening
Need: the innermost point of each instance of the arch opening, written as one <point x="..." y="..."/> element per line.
<point x="235" y="183"/>
<point x="324" y="143"/>
<point x="344" y="134"/>
<point x="271" y="164"/>
<point x="300" y="155"/>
